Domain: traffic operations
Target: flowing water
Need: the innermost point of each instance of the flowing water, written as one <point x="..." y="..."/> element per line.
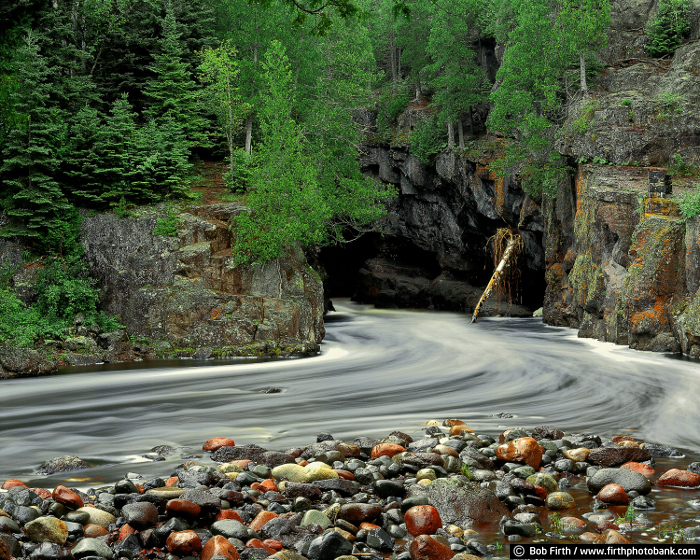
<point x="379" y="370"/>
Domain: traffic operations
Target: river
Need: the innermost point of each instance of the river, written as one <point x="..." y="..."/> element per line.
<point x="379" y="371"/>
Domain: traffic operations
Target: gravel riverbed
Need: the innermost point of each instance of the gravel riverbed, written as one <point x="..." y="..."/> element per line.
<point x="445" y="493"/>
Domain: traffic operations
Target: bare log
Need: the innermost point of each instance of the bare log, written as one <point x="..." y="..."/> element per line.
<point x="512" y="243"/>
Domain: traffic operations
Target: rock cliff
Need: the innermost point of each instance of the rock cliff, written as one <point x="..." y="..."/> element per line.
<point x="186" y="291"/>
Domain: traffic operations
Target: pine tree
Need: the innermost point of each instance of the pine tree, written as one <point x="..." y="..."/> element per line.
<point x="31" y="196"/>
<point x="668" y="27"/>
<point x="173" y="92"/>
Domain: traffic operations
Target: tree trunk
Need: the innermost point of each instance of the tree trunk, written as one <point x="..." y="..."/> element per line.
<point x="394" y="56"/>
<point x="419" y="92"/>
<point x="496" y="276"/>
<point x="450" y="135"/>
<point x="460" y="130"/>
<point x="584" y="85"/>
<point x="249" y="123"/>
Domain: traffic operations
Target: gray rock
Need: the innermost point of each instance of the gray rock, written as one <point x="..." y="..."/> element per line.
<point x="629" y="480"/>
<point x="62" y="464"/>
<point x="140" y="515"/>
<point x="329" y="546"/>
<point x="461" y="502"/>
<point x="230" y="528"/>
<point x="92" y="547"/>
<point x="20" y="362"/>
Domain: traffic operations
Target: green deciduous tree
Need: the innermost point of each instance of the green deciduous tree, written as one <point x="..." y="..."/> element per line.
<point x="219" y="72"/>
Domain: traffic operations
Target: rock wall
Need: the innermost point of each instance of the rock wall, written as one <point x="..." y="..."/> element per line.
<point x="185" y="290"/>
<point x="433" y="250"/>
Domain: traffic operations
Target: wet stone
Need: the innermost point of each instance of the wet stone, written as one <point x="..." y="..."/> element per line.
<point x="92" y="547"/>
<point x="141" y="515"/>
<point x="328" y="547"/>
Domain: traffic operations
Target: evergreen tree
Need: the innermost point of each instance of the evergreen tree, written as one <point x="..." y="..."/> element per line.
<point x="459" y="82"/>
<point x="31" y="196"/>
<point x="173" y="92"/>
<point x="668" y="27"/>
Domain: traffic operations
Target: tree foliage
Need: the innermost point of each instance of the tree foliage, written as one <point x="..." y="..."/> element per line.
<point x="668" y="27"/>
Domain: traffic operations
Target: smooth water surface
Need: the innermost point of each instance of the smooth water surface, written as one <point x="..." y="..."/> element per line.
<point x="379" y="370"/>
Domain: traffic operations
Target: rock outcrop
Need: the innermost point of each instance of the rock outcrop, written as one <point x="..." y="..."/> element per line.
<point x="432" y="252"/>
<point x="186" y="291"/>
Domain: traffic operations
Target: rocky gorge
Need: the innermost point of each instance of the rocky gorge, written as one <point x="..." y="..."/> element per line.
<point x="610" y="255"/>
<point x="448" y="493"/>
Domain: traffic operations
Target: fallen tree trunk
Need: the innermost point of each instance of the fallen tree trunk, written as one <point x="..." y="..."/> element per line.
<point x="512" y="242"/>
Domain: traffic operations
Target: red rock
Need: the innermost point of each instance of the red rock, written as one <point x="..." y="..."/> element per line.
<point x="677" y="477"/>
<point x="255" y="486"/>
<point x="388" y="449"/>
<point x="43" y="494"/>
<point x="67" y="497"/>
<point x="228" y="514"/>
<point x="182" y="508"/>
<point x="422" y="520"/>
<point x="590" y="538"/>
<point x="273" y="544"/>
<point x="611" y="536"/>
<point x="445" y="450"/>
<point x="525" y="450"/>
<point x="618" y="439"/>
<point x="260" y="520"/>
<point x="541" y="492"/>
<point x="346" y="475"/>
<point x="184" y="543"/>
<point x="11" y="483"/>
<point x="641" y="468"/>
<point x="460" y="429"/>
<point x="268" y="486"/>
<point x="219" y="546"/>
<point x="572" y="524"/>
<point x="425" y="547"/>
<point x="4" y="551"/>
<point x="243" y="463"/>
<point x="172" y="480"/>
<point x="303" y="463"/>
<point x="215" y="443"/>
<point x="615" y="456"/>
<point x="93" y="531"/>
<point x="357" y="513"/>
<point x="125" y="531"/>
<point x="257" y="543"/>
<point x="349" y="449"/>
<point x="140" y="488"/>
<point x="369" y="526"/>
<point x="613" y="494"/>
<point x="603" y="526"/>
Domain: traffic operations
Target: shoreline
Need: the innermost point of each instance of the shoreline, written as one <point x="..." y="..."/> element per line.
<point x="475" y="494"/>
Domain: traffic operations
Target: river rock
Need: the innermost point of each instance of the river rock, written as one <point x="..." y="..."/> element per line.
<point x="386" y="449"/>
<point x="315" y="517"/>
<point x="681" y="478"/>
<point x="24" y="362"/>
<point x="140" y="515"/>
<point x="629" y="480"/>
<point x="218" y="546"/>
<point x="291" y="472"/>
<point x="92" y="547"/>
<point x="614" y="456"/>
<point x="460" y="502"/>
<point x="524" y="449"/>
<point x="314" y="473"/>
<point x="209" y="503"/>
<point x="656" y="450"/>
<point x="547" y="432"/>
<point x="4" y="550"/>
<point x="329" y="546"/>
<point x="261" y="520"/>
<point x="578" y="454"/>
<point x="613" y="494"/>
<point x="98" y="516"/>
<point x="67" y="497"/>
<point x="47" y="529"/>
<point x="226" y="454"/>
<point x="345" y="488"/>
<point x="182" y="508"/>
<point x="359" y="513"/>
<point x="422" y="520"/>
<point x="544" y="481"/>
<point x="639" y="467"/>
<point x="425" y="547"/>
<point x="215" y="443"/>
<point x="62" y="464"/>
<point x="560" y="500"/>
<point x="184" y="543"/>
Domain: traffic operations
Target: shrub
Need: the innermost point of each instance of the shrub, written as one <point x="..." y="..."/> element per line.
<point x="428" y="139"/>
<point x="167" y="227"/>
<point x="390" y="110"/>
<point x="690" y="204"/>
